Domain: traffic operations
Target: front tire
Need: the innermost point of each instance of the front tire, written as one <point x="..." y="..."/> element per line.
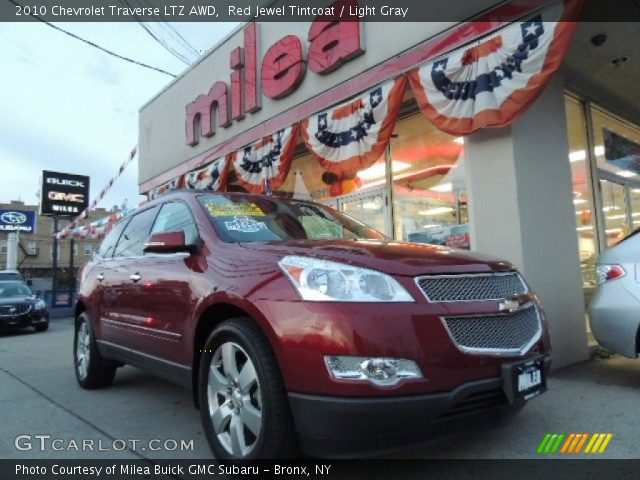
<point x="244" y="408"/>
<point x="42" y="327"/>
<point x="92" y="369"/>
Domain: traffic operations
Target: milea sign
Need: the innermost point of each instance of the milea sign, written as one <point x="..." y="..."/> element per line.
<point x="63" y="194"/>
<point x="329" y="44"/>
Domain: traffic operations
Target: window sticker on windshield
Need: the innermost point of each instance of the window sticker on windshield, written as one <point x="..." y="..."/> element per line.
<point x="233" y="209"/>
<point x="245" y="225"/>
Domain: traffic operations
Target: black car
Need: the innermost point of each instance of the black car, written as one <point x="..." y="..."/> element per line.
<point x="19" y="307"/>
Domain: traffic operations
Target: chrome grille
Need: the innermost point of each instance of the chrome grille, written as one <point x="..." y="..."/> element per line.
<point x="12" y="310"/>
<point x="507" y="333"/>
<point x="466" y="288"/>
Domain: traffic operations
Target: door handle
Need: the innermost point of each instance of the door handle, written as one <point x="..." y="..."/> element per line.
<point x="135" y="277"/>
<point x="100" y="277"/>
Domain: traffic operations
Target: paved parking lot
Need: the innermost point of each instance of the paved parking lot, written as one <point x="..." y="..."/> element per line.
<point x="39" y="396"/>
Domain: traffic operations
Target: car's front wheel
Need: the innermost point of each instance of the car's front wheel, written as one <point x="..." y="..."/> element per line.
<point x="243" y="403"/>
<point x="92" y="369"/>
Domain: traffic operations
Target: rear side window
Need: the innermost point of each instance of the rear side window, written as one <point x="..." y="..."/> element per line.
<point x="109" y="243"/>
<point x="131" y="243"/>
<point x="174" y="217"/>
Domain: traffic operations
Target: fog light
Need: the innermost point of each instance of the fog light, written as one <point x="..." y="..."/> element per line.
<point x="377" y="370"/>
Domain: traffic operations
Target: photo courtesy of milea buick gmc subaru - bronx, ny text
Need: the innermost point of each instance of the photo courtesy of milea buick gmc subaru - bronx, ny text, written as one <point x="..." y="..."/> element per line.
<point x="301" y="330"/>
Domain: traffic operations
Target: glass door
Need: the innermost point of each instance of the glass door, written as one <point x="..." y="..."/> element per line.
<point x="620" y="206"/>
<point x="369" y="207"/>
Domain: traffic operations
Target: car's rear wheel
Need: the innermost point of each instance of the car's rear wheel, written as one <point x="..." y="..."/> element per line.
<point x="243" y="403"/>
<point x="92" y="369"/>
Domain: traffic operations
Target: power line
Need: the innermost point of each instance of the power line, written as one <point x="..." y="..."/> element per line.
<point x="160" y="41"/>
<point x="95" y="45"/>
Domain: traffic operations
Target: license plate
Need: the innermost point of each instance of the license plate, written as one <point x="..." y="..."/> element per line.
<point x="524" y="380"/>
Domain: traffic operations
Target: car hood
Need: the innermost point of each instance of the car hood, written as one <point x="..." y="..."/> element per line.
<point x="397" y="258"/>
<point x="16" y="300"/>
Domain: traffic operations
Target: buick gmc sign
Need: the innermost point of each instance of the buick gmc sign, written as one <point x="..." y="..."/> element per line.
<point x="63" y="194"/>
<point x="17" y="221"/>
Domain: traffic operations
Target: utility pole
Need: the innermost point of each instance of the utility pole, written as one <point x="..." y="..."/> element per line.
<point x="54" y="286"/>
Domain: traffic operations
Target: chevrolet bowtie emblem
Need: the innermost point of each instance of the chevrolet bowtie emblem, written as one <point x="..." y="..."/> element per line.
<point x="509" y="305"/>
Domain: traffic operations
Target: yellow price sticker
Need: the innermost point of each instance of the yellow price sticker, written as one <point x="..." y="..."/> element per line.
<point x="233" y="209"/>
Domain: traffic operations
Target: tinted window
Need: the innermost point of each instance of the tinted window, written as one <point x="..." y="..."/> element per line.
<point x="108" y="244"/>
<point x="132" y="240"/>
<point x="176" y="216"/>
<point x="239" y="218"/>
<point x="16" y="289"/>
<point x="10" y="276"/>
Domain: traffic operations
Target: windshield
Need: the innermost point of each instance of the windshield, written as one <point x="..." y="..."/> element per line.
<point x="10" y="276"/>
<point x="14" y="289"/>
<point x="240" y="218"/>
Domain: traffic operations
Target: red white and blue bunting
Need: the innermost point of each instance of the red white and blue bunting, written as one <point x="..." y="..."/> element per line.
<point x="353" y="135"/>
<point x="492" y="82"/>
<point x="263" y="166"/>
<point x="212" y="177"/>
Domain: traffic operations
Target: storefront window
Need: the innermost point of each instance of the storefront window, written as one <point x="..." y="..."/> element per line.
<point x="582" y="197"/>
<point x="429" y="189"/>
<point x="617" y="154"/>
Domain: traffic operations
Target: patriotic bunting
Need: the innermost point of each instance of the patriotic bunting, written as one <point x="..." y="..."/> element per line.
<point x="212" y="177"/>
<point x="492" y="82"/>
<point x="353" y="135"/>
<point x="263" y="166"/>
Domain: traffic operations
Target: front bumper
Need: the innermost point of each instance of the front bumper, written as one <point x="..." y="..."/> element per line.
<point x="356" y="427"/>
<point x="25" y="320"/>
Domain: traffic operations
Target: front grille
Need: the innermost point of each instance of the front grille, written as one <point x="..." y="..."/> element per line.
<point x="12" y="310"/>
<point x="466" y="288"/>
<point x="476" y="402"/>
<point x="508" y="333"/>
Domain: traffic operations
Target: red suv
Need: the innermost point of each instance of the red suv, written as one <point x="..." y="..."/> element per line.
<point x="300" y="329"/>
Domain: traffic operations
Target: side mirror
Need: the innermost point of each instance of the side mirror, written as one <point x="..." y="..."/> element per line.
<point x="167" y="242"/>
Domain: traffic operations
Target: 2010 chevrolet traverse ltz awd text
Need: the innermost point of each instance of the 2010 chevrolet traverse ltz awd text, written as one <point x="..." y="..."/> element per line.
<point x="300" y="329"/>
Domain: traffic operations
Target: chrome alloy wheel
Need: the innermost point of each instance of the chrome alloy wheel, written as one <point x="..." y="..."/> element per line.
<point x="83" y="350"/>
<point x="235" y="400"/>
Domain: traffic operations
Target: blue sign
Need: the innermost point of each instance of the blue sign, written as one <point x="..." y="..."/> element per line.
<point x="17" y="221"/>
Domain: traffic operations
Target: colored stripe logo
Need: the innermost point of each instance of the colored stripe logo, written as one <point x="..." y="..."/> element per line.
<point x="574" y="443"/>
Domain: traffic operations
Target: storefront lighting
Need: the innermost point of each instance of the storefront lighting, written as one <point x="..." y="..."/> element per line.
<point x="599" y="150"/>
<point x="627" y="173"/>
<point x="459" y="140"/>
<point x="616" y="217"/>
<point x="431" y="225"/>
<point x="579" y="201"/>
<point x="435" y="211"/>
<point x="577" y="156"/>
<point x="442" y="188"/>
<point x="583" y="229"/>
<point x="609" y="209"/>
<point x="613" y="230"/>
<point x="379" y="170"/>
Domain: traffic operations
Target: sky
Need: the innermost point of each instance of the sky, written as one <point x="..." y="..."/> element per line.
<point x="67" y="107"/>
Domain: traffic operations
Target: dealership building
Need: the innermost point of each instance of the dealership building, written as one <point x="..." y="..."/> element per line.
<point x="518" y="137"/>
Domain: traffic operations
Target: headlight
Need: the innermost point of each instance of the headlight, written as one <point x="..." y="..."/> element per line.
<point x="377" y="370"/>
<point x="40" y="305"/>
<point x="325" y="281"/>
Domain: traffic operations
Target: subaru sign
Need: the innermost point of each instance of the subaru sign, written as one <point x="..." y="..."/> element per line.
<point x="63" y="194"/>
<point x="17" y="221"/>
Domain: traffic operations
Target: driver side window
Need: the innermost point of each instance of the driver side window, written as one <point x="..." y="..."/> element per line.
<point x="175" y="217"/>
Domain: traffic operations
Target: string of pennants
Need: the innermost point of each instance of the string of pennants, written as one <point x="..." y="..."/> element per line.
<point x="488" y="83"/>
<point x="99" y="228"/>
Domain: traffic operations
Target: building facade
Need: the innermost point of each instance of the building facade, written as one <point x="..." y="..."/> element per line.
<point x="549" y="190"/>
<point x="35" y="250"/>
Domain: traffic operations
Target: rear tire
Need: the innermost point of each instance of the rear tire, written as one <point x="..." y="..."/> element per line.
<point x="243" y="404"/>
<point x="92" y="369"/>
